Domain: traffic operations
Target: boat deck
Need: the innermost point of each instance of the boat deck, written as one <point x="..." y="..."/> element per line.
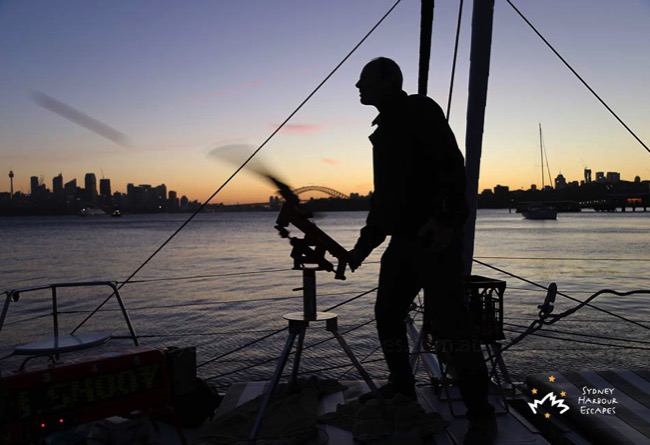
<point x="607" y="407"/>
<point x="602" y="407"/>
<point x="513" y="428"/>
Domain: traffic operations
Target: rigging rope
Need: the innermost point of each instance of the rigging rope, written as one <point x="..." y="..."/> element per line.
<point x="280" y="330"/>
<point x="558" y="258"/>
<point x="344" y="365"/>
<point x="535" y="326"/>
<point x="263" y="362"/>
<point x="195" y="277"/>
<point x="580" y="334"/>
<point x="581" y="303"/>
<point x="584" y="342"/>
<point x="363" y="360"/>
<point x="243" y="165"/>
<point x="546" y="318"/>
<point x="453" y="64"/>
<point x="575" y="73"/>
<point x="266" y="141"/>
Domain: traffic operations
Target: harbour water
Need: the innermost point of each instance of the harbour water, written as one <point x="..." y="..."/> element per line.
<point x="226" y="280"/>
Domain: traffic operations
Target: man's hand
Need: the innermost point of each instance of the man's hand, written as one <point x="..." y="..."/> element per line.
<point x="435" y="236"/>
<point x="356" y="258"/>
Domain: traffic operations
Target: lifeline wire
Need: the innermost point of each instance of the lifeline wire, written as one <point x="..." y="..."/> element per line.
<point x="546" y="317"/>
<point x="544" y="334"/>
<point x="558" y="258"/>
<point x="280" y="330"/>
<point x="241" y="167"/>
<point x="586" y="302"/>
<point x="580" y="334"/>
<point x="268" y="360"/>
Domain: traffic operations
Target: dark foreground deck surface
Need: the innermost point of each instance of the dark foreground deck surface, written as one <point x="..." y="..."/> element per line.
<point x="513" y="428"/>
<point x="610" y="407"/>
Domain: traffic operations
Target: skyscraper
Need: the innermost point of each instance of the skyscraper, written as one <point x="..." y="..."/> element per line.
<point x="159" y="197"/>
<point x="57" y="186"/>
<point x="105" y="187"/>
<point x="70" y="189"/>
<point x="90" y="189"/>
<point x="33" y="182"/>
<point x="173" y="200"/>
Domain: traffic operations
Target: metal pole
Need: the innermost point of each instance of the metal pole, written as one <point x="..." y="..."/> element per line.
<point x="479" y="70"/>
<point x="541" y="155"/>
<point x="426" y="29"/>
<point x="309" y="293"/>
<point x="55" y="315"/>
<point x="282" y="361"/>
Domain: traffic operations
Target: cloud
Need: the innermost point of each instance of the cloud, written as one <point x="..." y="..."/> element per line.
<point x="298" y="128"/>
<point x="331" y="161"/>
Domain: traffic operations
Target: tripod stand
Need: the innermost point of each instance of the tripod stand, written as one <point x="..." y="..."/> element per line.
<point x="298" y="323"/>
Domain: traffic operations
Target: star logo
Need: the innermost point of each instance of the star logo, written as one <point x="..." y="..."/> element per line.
<point x="534" y="391"/>
<point x="559" y="403"/>
<point x="551" y="379"/>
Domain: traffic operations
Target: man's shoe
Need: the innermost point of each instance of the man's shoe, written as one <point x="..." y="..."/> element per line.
<point x="388" y="391"/>
<point x="481" y="431"/>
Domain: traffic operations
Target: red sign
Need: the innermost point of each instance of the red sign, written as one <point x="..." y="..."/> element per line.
<point x="82" y="390"/>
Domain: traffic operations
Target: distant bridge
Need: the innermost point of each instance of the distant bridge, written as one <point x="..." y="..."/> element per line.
<point x="318" y="188"/>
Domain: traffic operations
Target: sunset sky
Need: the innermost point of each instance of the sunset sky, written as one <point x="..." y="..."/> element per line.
<point x="172" y="80"/>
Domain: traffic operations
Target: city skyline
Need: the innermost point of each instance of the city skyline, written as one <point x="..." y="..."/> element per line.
<point x="147" y="91"/>
<point x="92" y="191"/>
<point x="588" y="176"/>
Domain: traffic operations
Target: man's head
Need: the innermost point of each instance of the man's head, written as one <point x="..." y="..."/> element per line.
<point x="380" y="80"/>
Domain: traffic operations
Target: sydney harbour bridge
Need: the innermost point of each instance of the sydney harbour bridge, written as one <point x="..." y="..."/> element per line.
<point x="318" y="188"/>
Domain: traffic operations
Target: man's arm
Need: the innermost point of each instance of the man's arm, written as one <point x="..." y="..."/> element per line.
<point x="372" y="235"/>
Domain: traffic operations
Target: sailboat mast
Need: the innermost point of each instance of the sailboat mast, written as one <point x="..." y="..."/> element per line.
<point x="541" y="154"/>
<point x="479" y="70"/>
<point x="426" y="29"/>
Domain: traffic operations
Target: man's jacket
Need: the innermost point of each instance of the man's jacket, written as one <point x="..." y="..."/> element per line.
<point x="419" y="172"/>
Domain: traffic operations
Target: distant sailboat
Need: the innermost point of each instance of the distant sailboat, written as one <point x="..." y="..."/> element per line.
<point x="540" y="210"/>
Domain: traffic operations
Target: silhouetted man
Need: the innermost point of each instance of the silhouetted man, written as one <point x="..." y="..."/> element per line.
<point x="419" y="201"/>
